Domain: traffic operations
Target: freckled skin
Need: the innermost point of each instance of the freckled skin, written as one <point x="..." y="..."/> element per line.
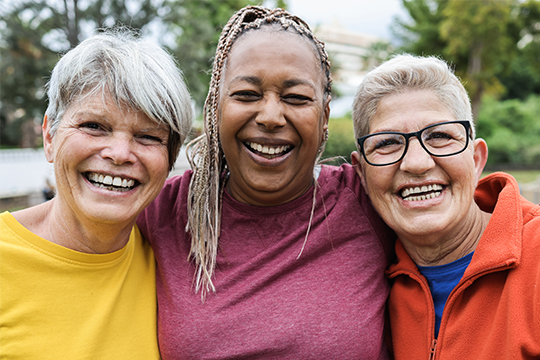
<point x="272" y="93"/>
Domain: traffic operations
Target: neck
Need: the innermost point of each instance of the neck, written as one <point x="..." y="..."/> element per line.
<point x="63" y="228"/>
<point x="267" y="198"/>
<point x="450" y="246"/>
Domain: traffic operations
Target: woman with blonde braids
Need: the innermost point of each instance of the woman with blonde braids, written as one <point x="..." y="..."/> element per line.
<point x="261" y="254"/>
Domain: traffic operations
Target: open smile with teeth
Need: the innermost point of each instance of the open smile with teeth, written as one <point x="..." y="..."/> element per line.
<point x="110" y="183"/>
<point x="268" y="151"/>
<point x="421" y="193"/>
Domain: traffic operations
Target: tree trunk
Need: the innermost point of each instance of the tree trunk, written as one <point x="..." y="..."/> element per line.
<point x="474" y="71"/>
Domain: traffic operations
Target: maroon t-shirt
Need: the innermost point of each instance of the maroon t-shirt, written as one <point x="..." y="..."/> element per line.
<point x="269" y="304"/>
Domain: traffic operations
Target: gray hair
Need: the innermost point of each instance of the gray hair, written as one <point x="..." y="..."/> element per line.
<point x="407" y="72"/>
<point x="137" y="73"/>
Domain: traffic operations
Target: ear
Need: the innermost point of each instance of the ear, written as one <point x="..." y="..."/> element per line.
<point x="327" y="110"/>
<point x="480" y="157"/>
<point x="47" y="140"/>
<point x="356" y="160"/>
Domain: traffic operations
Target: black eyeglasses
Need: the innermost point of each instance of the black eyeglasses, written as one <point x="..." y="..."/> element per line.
<point x="442" y="139"/>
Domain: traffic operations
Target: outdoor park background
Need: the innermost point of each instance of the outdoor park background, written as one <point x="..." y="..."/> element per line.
<point x="493" y="45"/>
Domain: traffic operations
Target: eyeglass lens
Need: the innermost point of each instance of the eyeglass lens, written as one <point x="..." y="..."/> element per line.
<point x="440" y="140"/>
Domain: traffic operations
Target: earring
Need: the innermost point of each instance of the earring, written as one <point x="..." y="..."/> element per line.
<point x="326" y="134"/>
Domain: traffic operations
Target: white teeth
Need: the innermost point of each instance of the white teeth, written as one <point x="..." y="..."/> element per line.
<point x="423" y="197"/>
<point x="107" y="181"/>
<point x="268" y="149"/>
<point x="436" y="188"/>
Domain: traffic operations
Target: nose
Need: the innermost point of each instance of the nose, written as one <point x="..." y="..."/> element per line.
<point x="119" y="149"/>
<point x="416" y="159"/>
<point x="271" y="115"/>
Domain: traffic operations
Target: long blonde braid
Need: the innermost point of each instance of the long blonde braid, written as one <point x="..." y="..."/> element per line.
<point x="205" y="154"/>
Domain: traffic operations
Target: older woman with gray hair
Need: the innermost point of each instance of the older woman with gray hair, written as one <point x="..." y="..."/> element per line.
<point x="466" y="283"/>
<point x="77" y="279"/>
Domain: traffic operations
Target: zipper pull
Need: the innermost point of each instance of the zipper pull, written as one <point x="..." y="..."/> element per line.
<point x="433" y="349"/>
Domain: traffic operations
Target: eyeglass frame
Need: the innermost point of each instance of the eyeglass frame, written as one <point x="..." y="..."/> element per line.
<point x="418" y="134"/>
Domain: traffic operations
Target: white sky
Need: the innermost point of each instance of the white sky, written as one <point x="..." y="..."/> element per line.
<point x="365" y="16"/>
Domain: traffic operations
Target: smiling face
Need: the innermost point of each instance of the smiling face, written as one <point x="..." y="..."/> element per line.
<point x="109" y="162"/>
<point x="425" y="199"/>
<point x="273" y="113"/>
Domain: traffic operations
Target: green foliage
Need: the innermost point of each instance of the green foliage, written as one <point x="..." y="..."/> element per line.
<point x="33" y="34"/>
<point x="421" y="35"/>
<point x="197" y="25"/>
<point x="488" y="42"/>
<point x="523" y="76"/>
<point x="341" y="139"/>
<point x="512" y="131"/>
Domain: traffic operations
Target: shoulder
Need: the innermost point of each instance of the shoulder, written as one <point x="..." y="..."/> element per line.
<point x="345" y="179"/>
<point x="168" y="207"/>
<point x="352" y="199"/>
<point x="344" y="176"/>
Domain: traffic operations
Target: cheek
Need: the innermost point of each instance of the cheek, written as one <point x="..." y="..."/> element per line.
<point x="231" y="118"/>
<point x="379" y="181"/>
<point x="64" y="154"/>
<point x="309" y="125"/>
<point x="159" y="162"/>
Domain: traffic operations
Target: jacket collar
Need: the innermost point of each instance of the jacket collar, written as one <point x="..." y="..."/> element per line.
<point x="501" y="243"/>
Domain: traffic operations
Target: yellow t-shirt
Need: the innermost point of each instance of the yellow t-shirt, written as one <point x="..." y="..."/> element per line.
<point x="57" y="303"/>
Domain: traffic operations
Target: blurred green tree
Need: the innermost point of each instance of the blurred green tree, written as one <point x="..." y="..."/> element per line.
<point x="196" y="26"/>
<point x="33" y="34"/>
<point x="511" y="129"/>
<point x="480" y="38"/>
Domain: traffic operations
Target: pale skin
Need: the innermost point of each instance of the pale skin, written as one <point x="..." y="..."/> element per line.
<point x="437" y="230"/>
<point x="96" y="137"/>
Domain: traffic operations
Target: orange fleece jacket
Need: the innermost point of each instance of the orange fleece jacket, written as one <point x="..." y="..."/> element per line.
<point x="494" y="311"/>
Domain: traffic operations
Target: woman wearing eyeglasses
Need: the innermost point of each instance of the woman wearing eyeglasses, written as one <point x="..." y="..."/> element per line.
<point x="466" y="282"/>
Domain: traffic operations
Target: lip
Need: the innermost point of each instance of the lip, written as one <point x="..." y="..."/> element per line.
<point x="264" y="161"/>
<point x="95" y="188"/>
<point x="425" y="202"/>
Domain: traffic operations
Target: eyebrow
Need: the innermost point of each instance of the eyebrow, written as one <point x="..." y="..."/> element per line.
<point x="101" y="114"/>
<point x="257" y="81"/>
<point x="249" y="79"/>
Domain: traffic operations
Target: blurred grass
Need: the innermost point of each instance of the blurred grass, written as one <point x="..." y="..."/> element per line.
<point x="522" y="176"/>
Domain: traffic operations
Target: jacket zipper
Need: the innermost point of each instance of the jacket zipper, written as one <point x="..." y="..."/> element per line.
<point x="433" y="349"/>
<point x="462" y="283"/>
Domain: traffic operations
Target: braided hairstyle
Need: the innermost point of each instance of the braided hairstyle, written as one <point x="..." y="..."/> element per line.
<point x="205" y="153"/>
